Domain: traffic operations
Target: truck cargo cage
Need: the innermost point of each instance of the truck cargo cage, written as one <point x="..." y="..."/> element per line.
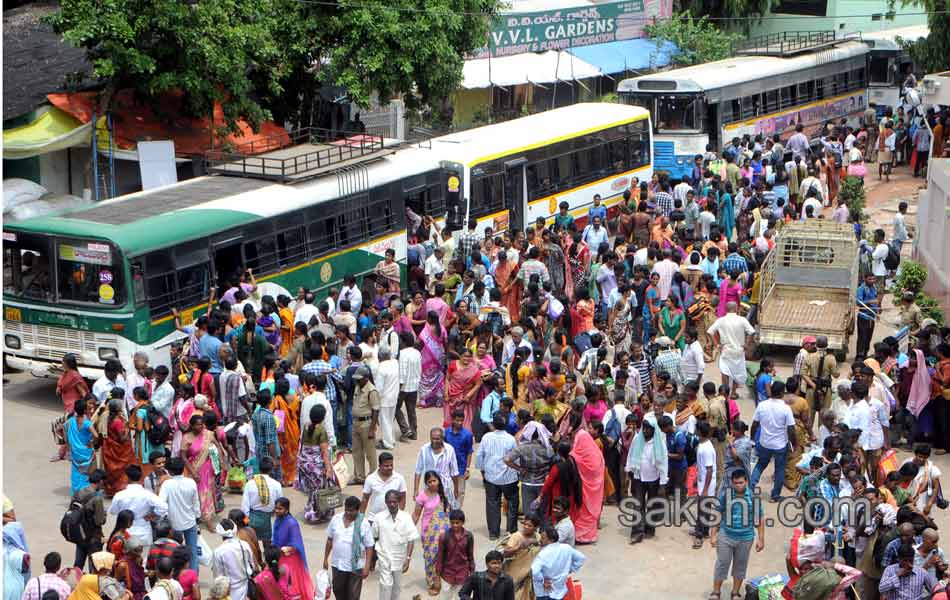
<point x="808" y="284"/>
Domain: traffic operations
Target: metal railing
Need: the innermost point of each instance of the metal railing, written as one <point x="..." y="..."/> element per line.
<point x="245" y="160"/>
<point x="791" y="42"/>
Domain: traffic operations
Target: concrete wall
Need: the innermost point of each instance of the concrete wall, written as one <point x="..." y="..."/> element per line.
<point x="837" y="9"/>
<point x="932" y="245"/>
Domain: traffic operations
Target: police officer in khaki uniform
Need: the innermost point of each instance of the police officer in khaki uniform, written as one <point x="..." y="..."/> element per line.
<point x="910" y="315"/>
<point x="819" y="369"/>
<point x="365" y="419"/>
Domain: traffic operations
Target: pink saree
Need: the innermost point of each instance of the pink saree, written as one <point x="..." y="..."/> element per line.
<point x="728" y="293"/>
<point x="590" y="467"/>
<point x="200" y="461"/>
<point x="433" y="373"/>
<point x="460" y="380"/>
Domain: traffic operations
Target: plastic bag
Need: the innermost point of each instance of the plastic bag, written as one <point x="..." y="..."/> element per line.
<point x="205" y="555"/>
<point x="322" y="585"/>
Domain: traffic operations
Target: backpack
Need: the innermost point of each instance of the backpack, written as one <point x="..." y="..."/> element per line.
<point x="159" y="428"/>
<point x="75" y="525"/>
<point x="692" y="442"/>
<point x="495" y="322"/>
<point x="816" y="584"/>
<point x="893" y="258"/>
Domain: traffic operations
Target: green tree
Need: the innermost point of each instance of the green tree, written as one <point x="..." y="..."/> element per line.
<point x="223" y="51"/>
<point x="932" y="53"/>
<point x="697" y="40"/>
<point x="268" y="58"/>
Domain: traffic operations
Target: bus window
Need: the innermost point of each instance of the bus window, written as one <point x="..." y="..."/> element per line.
<point x="488" y="195"/>
<point x="878" y="70"/>
<point x="322" y="234"/>
<point x="617" y="155"/>
<point x="192" y="263"/>
<point x="26" y="266"/>
<point x="89" y="271"/>
<point x="675" y="113"/>
<point x="787" y="96"/>
<point x="771" y="101"/>
<point x="291" y="246"/>
<point x="260" y="251"/>
<point x="138" y="283"/>
<point x="749" y="105"/>
<point x="160" y="282"/>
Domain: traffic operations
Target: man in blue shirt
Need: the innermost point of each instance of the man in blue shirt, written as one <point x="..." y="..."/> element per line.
<point x="735" y="263"/>
<point x="209" y="345"/>
<point x="733" y="538"/>
<point x="553" y="565"/>
<point x="597" y="211"/>
<point x="676" y="456"/>
<point x="868" y="307"/>
<point x="461" y="441"/>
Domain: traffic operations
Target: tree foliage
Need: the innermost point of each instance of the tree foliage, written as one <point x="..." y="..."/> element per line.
<point x="268" y="58"/>
<point x="697" y="40"/>
<point x="932" y="53"/>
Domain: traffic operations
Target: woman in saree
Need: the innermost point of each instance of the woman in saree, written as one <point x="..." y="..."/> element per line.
<point x="461" y="387"/>
<point x="70" y="387"/>
<point x="578" y="260"/>
<point x="803" y="434"/>
<point x="591" y="469"/>
<point x="287" y="337"/>
<point x="388" y="270"/>
<point x="432" y="380"/>
<point x="832" y="176"/>
<point x="313" y="462"/>
<point x="506" y="279"/>
<point x="269" y="320"/>
<point x="672" y="322"/>
<point x="727" y="212"/>
<point x="918" y="396"/>
<point x="619" y="321"/>
<point x="583" y="313"/>
<point x="286" y="408"/>
<point x="80" y="436"/>
<point x="553" y="259"/>
<point x="203" y="380"/>
<point x="417" y="313"/>
<point x="516" y="378"/>
<point x="293" y="555"/>
<point x="273" y="582"/>
<point x="196" y="452"/>
<point x="563" y="480"/>
<point x="431" y="515"/>
<point x="651" y="307"/>
<point x="138" y="426"/>
<point x="730" y="290"/>
<point x="117" y="453"/>
<point x="16" y="560"/>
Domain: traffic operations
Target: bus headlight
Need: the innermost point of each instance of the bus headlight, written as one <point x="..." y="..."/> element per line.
<point x="12" y="342"/>
<point x="108" y="353"/>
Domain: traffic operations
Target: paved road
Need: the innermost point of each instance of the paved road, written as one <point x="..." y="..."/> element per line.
<point x="40" y="490"/>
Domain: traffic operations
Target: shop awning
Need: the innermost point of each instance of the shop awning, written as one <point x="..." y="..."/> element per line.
<point x="52" y="130"/>
<point x="541" y="68"/>
<point x="626" y="55"/>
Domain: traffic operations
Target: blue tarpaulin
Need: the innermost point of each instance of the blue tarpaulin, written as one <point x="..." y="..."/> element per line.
<point x="625" y="55"/>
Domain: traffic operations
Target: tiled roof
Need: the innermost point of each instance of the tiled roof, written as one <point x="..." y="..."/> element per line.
<point x="36" y="61"/>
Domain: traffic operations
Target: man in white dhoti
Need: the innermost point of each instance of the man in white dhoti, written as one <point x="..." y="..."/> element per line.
<point x="730" y="331"/>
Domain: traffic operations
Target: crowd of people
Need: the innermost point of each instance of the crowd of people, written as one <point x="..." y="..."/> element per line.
<point x="569" y="362"/>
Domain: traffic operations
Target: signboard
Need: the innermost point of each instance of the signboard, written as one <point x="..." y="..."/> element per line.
<point x="157" y="164"/>
<point x="92" y="254"/>
<point x="812" y="116"/>
<point x="584" y="25"/>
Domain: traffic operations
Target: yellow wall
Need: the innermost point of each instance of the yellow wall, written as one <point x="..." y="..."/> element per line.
<point x="467" y="102"/>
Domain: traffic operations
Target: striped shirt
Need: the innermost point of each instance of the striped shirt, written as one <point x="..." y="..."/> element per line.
<point x="644" y="369"/>
<point x="664" y="203"/>
<point x="735" y="263"/>
<point x="670" y="362"/>
<point x="410" y="369"/>
<point x="909" y="587"/>
<point x="322" y="367"/>
<point x="490" y="458"/>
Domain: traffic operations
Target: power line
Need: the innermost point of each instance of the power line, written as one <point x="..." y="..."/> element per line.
<point x="431" y="10"/>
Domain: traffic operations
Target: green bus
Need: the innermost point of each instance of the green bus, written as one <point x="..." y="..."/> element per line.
<point x="101" y="282"/>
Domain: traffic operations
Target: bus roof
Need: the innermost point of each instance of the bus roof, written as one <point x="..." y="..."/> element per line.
<point x="886" y="39"/>
<point x="144" y="221"/>
<point x="737" y="70"/>
<point x="482" y="144"/>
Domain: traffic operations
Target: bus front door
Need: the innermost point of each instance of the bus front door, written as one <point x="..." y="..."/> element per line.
<point x="515" y="193"/>
<point x="228" y="263"/>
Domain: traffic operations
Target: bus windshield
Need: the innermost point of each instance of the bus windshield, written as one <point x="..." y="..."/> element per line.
<point x="26" y="266"/>
<point x="676" y="113"/>
<point x="89" y="272"/>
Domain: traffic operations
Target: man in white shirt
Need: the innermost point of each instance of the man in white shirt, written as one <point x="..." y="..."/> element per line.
<point x="705" y="474"/>
<point x="665" y="269"/>
<point x="315" y="387"/>
<point x="347" y="576"/>
<point x="260" y="494"/>
<point x="352" y="293"/>
<point x="877" y="259"/>
<point x="396" y="536"/>
<point x="499" y="479"/>
<point x="143" y="504"/>
<point x="693" y="362"/>
<point x="434" y="265"/>
<point x="136" y="378"/>
<point x="383" y="480"/>
<point x="111" y="378"/>
<point x="232" y="559"/>
<point x="730" y="332"/>
<point x="870" y="415"/>
<point x="387" y="383"/>
<point x="180" y="494"/>
<point x="515" y="340"/>
<point x="410" y="371"/>
<point x="924" y="487"/>
<point x="679" y="191"/>
<point x="775" y="424"/>
<point x="164" y="395"/>
<point x="388" y="337"/>
<point x="305" y="309"/>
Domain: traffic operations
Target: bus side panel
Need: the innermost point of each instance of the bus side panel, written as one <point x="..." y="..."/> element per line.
<point x="581" y="198"/>
<point x="813" y="116"/>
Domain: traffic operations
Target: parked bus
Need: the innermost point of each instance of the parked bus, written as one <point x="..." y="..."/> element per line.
<point x="102" y="282"/>
<point x="770" y="87"/>
<point x="889" y="64"/>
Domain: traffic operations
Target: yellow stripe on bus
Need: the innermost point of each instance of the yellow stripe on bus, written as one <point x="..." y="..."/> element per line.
<point x="591" y="184"/>
<point x="556" y="140"/>
<point x="789" y="111"/>
<point x="291" y="270"/>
